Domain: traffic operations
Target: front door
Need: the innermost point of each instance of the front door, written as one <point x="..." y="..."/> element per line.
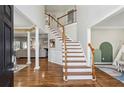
<point x="6" y="45"/>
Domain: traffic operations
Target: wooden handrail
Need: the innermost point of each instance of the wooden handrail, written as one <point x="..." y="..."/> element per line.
<point x="64" y="41"/>
<point x="58" y="19"/>
<point x="93" y="66"/>
<point x="66" y="14"/>
<point x="54" y="20"/>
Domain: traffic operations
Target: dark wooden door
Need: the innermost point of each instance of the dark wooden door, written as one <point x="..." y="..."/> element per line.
<point x="6" y="45"/>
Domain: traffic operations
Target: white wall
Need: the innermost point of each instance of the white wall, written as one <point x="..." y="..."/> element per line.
<point x="35" y="13"/>
<point x="89" y="15"/>
<point x="114" y="36"/>
<point x="55" y="54"/>
<point x="71" y="31"/>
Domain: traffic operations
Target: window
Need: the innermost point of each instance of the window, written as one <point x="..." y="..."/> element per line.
<point x="70" y="16"/>
<point x="16" y="45"/>
<point x="20" y="45"/>
<point x="24" y="45"/>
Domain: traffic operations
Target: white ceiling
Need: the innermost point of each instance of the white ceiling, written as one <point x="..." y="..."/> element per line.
<point x="58" y="8"/>
<point x="20" y="20"/>
<point x="115" y="21"/>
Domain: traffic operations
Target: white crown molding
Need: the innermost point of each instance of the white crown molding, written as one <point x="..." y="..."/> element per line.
<point x="109" y="27"/>
<point x="114" y="12"/>
<point x="25" y="28"/>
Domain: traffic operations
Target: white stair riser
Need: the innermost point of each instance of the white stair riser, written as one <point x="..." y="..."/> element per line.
<point x="72" y="47"/>
<point x="76" y="58"/>
<point x="53" y="30"/>
<point x="60" y="38"/>
<point x="74" y="54"/>
<point x="79" y="70"/>
<point x="57" y="34"/>
<point x="76" y="64"/>
<point x="75" y="50"/>
<point x="72" y="43"/>
<point x="79" y="77"/>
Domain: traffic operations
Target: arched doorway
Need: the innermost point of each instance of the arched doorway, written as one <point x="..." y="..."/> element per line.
<point x="107" y="52"/>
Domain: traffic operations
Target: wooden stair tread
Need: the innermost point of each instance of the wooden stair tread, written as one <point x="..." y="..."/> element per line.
<point x="72" y="42"/>
<point x="72" y="45"/>
<point x="72" y="48"/>
<point x="78" y="73"/>
<point x="75" y="67"/>
<point x="74" y="56"/>
<point x="75" y="61"/>
<point x="62" y="38"/>
<point x="54" y="32"/>
<point x="59" y="37"/>
<point x="72" y="52"/>
<point x="66" y="40"/>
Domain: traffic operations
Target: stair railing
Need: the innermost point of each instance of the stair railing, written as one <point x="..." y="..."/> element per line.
<point x="93" y="66"/>
<point x="65" y="17"/>
<point x="64" y="41"/>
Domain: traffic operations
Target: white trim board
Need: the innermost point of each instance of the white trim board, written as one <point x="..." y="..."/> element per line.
<point x="55" y="63"/>
<point x="103" y="63"/>
<point x="108" y="27"/>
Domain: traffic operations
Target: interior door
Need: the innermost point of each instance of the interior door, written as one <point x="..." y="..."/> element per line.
<point x="1" y="47"/>
<point x="6" y="45"/>
<point x="107" y="52"/>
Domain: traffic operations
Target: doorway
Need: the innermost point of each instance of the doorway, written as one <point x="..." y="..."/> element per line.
<point x="106" y="52"/>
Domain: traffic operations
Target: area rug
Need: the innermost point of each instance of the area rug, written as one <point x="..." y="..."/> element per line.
<point x="19" y="67"/>
<point x="112" y="71"/>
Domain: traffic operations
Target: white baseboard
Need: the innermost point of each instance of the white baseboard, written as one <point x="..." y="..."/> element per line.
<point x="55" y="62"/>
<point x="103" y="63"/>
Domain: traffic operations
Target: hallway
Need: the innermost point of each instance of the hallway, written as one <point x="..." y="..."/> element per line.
<point x="50" y="75"/>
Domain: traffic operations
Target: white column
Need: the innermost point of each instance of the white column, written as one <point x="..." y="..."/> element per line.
<point x="28" y="48"/>
<point x="36" y="49"/>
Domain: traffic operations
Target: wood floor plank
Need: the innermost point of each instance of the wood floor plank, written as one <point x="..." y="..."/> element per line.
<point x="51" y="75"/>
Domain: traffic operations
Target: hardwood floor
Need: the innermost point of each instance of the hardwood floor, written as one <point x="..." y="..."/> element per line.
<point x="50" y="75"/>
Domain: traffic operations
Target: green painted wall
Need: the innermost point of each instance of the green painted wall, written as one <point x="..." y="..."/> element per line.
<point x="97" y="55"/>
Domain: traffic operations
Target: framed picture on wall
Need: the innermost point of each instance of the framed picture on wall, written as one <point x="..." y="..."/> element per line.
<point x="52" y="43"/>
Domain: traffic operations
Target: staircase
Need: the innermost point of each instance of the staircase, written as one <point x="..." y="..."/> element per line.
<point x="77" y="68"/>
<point x="74" y="60"/>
